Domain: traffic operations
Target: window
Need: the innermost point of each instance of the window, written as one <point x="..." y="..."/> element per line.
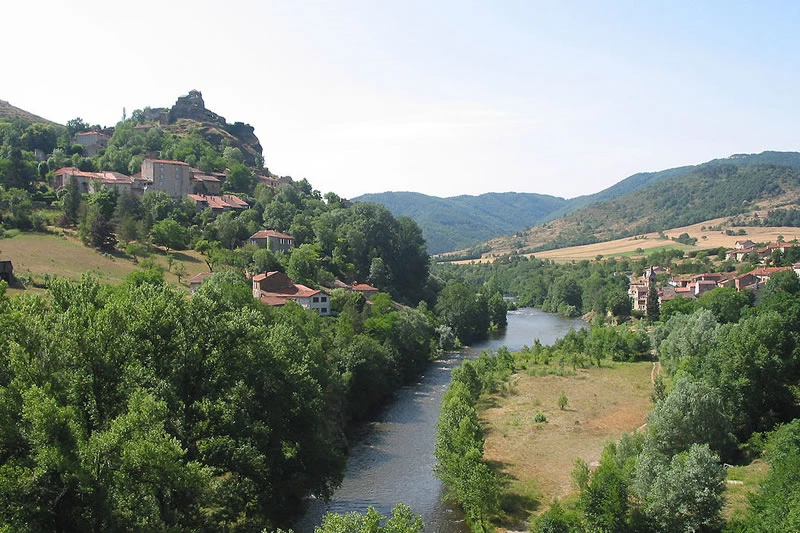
<point x="315" y="299"/>
<point x="324" y="299"/>
<point x="323" y="310"/>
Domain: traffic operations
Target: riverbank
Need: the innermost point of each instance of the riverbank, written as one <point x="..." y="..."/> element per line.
<point x="537" y="457"/>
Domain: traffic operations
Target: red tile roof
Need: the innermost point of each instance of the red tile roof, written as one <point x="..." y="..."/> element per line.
<point x="168" y="161"/>
<point x="264" y="233"/>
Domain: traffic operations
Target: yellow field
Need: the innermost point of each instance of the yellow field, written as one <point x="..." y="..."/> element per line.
<point x="706" y="239"/>
<point x="538" y="458"/>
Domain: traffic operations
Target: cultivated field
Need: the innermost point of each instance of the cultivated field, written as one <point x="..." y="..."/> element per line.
<point x="35" y="254"/>
<point x="639" y="245"/>
<point x="706" y="239"/>
<point x="538" y="458"/>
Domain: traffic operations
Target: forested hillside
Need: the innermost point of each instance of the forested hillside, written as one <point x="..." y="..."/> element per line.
<point x="706" y="193"/>
<point x="460" y="221"/>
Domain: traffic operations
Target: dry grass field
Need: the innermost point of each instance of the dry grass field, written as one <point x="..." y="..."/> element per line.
<point x="37" y="254"/>
<point x="639" y="245"/>
<point x="705" y="240"/>
<point x="538" y="457"/>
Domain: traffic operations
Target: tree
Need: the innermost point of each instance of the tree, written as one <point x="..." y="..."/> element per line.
<point x="304" y="263"/>
<point x="687" y="494"/>
<point x="403" y="520"/>
<point x="180" y="271"/>
<point x="653" y="309"/>
<point x="775" y="506"/>
<point x="464" y="310"/>
<point x="101" y="233"/>
<point x="240" y="179"/>
<point x="72" y="200"/>
<point x="726" y="303"/>
<point x="563" y="401"/>
<point x="169" y="234"/>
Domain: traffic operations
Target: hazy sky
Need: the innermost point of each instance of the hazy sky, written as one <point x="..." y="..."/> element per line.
<point x="438" y="97"/>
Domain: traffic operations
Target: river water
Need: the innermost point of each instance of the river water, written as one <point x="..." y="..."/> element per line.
<point x="393" y="460"/>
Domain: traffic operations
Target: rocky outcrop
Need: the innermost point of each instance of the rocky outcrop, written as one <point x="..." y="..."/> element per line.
<point x="215" y="127"/>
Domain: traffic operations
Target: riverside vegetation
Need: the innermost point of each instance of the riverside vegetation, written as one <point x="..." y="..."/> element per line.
<point x="729" y="397"/>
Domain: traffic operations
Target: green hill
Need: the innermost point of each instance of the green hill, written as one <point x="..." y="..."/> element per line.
<point x="708" y="192"/>
<point x="461" y="221"/>
<point x="8" y="111"/>
<point x="642" y="180"/>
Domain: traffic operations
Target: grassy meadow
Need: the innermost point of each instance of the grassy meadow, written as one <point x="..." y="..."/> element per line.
<point x="36" y="254"/>
<point x="537" y="457"/>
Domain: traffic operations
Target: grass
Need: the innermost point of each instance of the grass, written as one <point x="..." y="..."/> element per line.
<point x="36" y="254"/>
<point x="537" y="457"/>
<point x="742" y="481"/>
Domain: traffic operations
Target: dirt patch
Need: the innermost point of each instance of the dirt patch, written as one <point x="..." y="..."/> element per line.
<point x="537" y="458"/>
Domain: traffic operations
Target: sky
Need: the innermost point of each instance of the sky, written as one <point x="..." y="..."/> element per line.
<point x="444" y="98"/>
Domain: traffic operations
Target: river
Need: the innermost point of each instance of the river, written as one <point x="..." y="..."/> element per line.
<point x="393" y="459"/>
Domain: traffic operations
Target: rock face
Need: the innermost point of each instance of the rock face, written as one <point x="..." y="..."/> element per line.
<point x="192" y="107"/>
<point x="213" y="127"/>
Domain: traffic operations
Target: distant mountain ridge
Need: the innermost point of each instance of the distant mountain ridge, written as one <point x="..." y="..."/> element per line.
<point x="735" y="188"/>
<point x="461" y="221"/>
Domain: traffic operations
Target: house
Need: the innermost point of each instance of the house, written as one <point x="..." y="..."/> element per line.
<point x="273" y="182"/>
<point x="272" y="240"/>
<point x="6" y="271"/>
<point x="197" y="280"/>
<point x="742" y="245"/>
<point x="218" y="204"/>
<point x="276" y="288"/>
<point x="367" y="290"/>
<point x="171" y="177"/>
<point x="203" y="183"/>
<point x="63" y="176"/>
<point x="116" y="181"/>
<point x="739" y="254"/>
<point x="91" y="141"/>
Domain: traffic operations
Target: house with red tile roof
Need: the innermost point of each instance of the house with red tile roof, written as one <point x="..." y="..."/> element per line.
<point x="272" y="240"/>
<point x="218" y="204"/>
<point x="367" y="290"/>
<point x="197" y="280"/>
<point x="276" y="288"/>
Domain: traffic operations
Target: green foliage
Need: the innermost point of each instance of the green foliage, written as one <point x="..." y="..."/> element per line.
<point x="463" y="310"/>
<point x="686" y="494"/>
<point x="403" y="520"/>
<point x="563" y="400"/>
<point x="775" y="506"/>
<point x="169" y="234"/>
<point x="459" y="455"/>
<point x="727" y="305"/>
<point x="137" y="408"/>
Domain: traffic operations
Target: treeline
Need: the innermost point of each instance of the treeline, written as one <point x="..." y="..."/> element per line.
<point x="571" y="289"/>
<point x="135" y="408"/>
<point x="469" y="480"/>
